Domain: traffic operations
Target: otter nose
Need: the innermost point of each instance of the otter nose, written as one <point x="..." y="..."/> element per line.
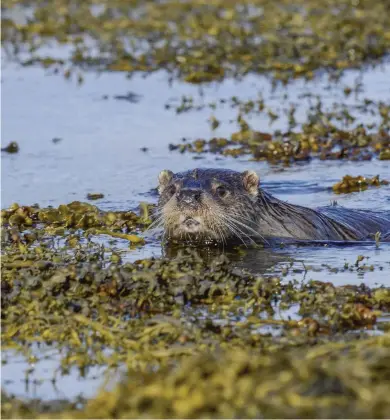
<point x="190" y="195"/>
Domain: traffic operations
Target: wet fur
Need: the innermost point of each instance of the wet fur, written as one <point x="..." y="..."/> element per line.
<point x="251" y="215"/>
<point x="222" y="219"/>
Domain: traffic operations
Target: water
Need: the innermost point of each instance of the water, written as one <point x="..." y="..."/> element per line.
<point x="45" y="379"/>
<point x="102" y="138"/>
<point x="100" y="151"/>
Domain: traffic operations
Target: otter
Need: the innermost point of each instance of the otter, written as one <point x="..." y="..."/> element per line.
<point x="221" y="206"/>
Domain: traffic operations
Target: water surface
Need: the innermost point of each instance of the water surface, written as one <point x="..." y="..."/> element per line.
<point x="100" y="151"/>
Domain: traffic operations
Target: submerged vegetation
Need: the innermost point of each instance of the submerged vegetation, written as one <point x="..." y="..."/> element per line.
<point x="192" y="336"/>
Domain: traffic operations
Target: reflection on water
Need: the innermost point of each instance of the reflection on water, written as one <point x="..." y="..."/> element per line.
<point x="308" y="260"/>
<point x="118" y="147"/>
<point x="45" y="377"/>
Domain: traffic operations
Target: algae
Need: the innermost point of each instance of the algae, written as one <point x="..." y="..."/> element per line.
<point x="200" y="42"/>
<point x="325" y="382"/>
<point x="358" y="183"/>
<point x="327" y="134"/>
<point x="95" y="196"/>
<point x="145" y="316"/>
<point x="12" y="147"/>
<point x="193" y="333"/>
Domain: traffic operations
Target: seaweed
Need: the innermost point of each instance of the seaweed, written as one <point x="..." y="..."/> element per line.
<point x="202" y="42"/>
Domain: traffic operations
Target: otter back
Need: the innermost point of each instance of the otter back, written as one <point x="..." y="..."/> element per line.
<point x="222" y="205"/>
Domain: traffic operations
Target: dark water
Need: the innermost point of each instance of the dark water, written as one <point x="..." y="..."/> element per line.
<point x="100" y="151"/>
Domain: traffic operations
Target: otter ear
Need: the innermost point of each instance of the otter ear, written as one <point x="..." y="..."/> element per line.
<point x="164" y="179"/>
<point x="250" y="180"/>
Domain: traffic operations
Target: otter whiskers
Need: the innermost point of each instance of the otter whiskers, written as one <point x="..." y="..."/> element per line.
<point x="231" y="223"/>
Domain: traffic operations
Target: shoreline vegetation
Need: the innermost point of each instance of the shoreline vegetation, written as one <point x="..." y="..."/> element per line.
<point x="199" y="41"/>
<point x="196" y="336"/>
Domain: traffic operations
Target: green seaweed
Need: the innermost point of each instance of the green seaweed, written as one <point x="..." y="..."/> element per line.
<point x="95" y="196"/>
<point x="196" y="336"/>
<point x="358" y="183"/>
<point x="202" y="42"/>
<point x="12" y="147"/>
<point x="144" y="315"/>
<point x="325" y="135"/>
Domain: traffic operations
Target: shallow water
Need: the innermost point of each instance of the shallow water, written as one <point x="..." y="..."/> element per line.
<point x="100" y="151"/>
<point x="45" y="379"/>
<point x="102" y="138"/>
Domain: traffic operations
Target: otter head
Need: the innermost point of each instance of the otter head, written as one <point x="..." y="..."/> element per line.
<point x="208" y="205"/>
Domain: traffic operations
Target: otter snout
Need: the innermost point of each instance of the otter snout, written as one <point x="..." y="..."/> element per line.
<point x="190" y="196"/>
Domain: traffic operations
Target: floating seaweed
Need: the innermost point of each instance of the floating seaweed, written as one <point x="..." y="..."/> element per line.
<point x="12" y="147"/>
<point x="357" y="183"/>
<point x="217" y="39"/>
<point x="194" y="334"/>
<point x="95" y="196"/>
<point x="320" y="137"/>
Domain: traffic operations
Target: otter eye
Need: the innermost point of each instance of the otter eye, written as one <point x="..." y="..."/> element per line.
<point x="172" y="189"/>
<point x="222" y="191"/>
